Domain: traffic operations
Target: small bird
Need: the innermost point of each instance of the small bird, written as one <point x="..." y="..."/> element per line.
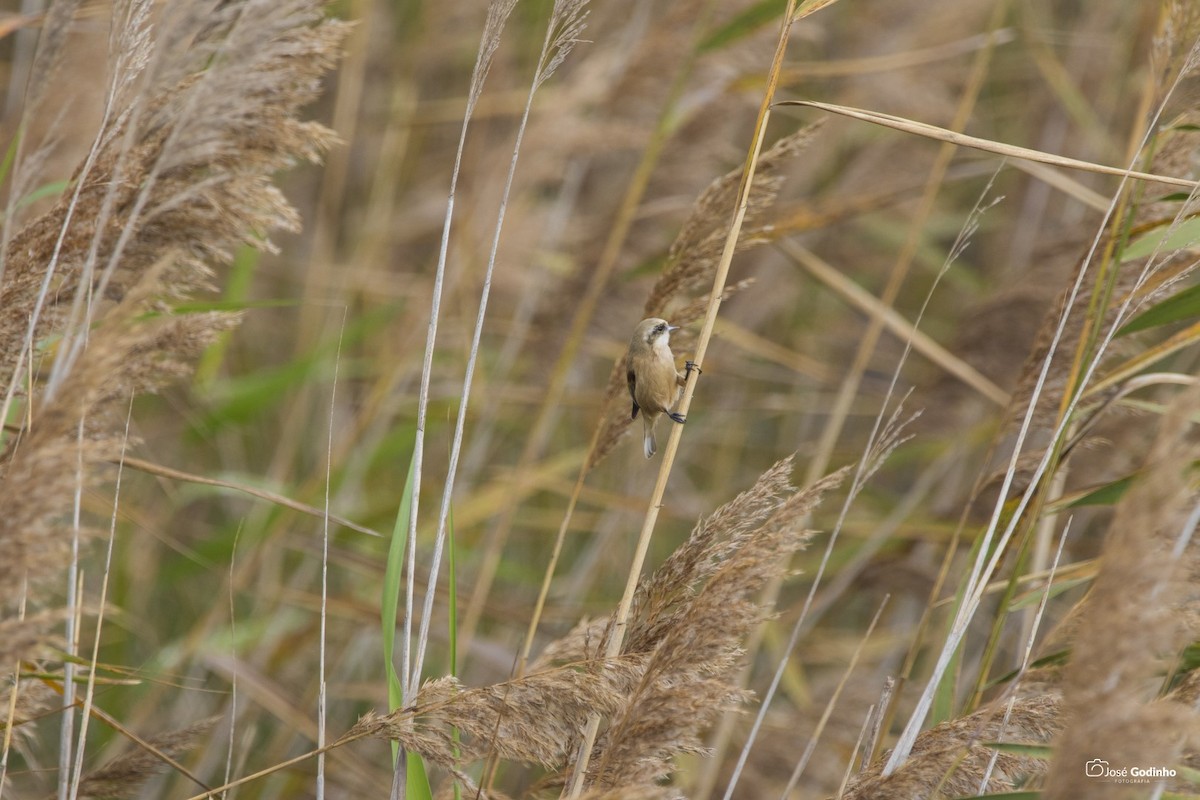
<point x="653" y="380"/>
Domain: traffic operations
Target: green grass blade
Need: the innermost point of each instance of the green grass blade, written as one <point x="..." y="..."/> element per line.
<point x="10" y="153"/>
<point x="1178" y="307"/>
<point x="1105" y="495"/>
<point x="389" y="604"/>
<point x="1163" y="241"/>
<point x="452" y="585"/>
<point x="389" y="607"/>
<point x="418" y="780"/>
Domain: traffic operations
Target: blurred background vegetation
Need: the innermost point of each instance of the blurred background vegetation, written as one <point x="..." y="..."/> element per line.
<point x="210" y="587"/>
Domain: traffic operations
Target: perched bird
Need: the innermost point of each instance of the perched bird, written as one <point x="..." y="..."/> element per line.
<point x="653" y="380"/>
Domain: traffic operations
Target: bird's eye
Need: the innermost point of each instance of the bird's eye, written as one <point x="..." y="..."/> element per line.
<point x="659" y="328"/>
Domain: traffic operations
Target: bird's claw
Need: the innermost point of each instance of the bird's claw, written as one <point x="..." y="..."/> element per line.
<point x="675" y="415"/>
<point x="688" y="366"/>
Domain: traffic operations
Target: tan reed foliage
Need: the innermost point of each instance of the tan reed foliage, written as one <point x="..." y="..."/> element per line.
<point x="204" y="106"/>
<point x="1139" y="615"/>
<point x="692" y="261"/>
<point x="676" y="672"/>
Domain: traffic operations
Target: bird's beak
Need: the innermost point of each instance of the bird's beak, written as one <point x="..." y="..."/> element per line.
<point x="671" y="327"/>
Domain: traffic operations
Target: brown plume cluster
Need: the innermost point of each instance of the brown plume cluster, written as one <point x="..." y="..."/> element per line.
<point x="676" y="672"/>
<point x="201" y="111"/>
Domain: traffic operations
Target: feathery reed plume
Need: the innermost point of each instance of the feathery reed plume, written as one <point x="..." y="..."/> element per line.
<point x="533" y="719"/>
<point x="692" y="260"/>
<point x="693" y="255"/>
<point x="1136" y="620"/>
<point x="180" y="175"/>
<point x="23" y="638"/>
<point x="695" y="650"/>
<point x="124" y="775"/>
<point x="677" y="669"/>
<point x="952" y="759"/>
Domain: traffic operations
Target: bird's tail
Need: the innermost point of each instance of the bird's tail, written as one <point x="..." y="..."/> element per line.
<point x="648" y="444"/>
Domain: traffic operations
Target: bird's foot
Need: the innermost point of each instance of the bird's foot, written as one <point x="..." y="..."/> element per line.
<point x="688" y="366"/>
<point x="675" y="415"/>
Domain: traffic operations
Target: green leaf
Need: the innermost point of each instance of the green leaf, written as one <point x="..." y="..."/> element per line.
<point x="1163" y="240"/>
<point x="452" y="588"/>
<point x="1191" y="657"/>
<point x="1180" y="306"/>
<point x="417" y="782"/>
<point x="1057" y="658"/>
<point x="1040" y="751"/>
<point x="231" y="305"/>
<point x="393" y="574"/>
<point x="744" y="24"/>
<point x="1035" y="597"/>
<point x="10" y="153"/>
<point x="1105" y="495"/>
<point x="50" y="189"/>
<point x="237" y="290"/>
<point x="242" y="398"/>
<point x="1188" y="773"/>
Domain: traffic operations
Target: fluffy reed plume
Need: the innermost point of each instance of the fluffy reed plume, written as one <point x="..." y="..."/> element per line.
<point x="1140" y="614"/>
<point x="693" y="256"/>
<point x="124" y="775"/>
<point x="692" y="674"/>
<point x="203" y="111"/>
<point x="532" y="719"/>
<point x="692" y="261"/>
<point x="678" y="669"/>
<point x="953" y="759"/>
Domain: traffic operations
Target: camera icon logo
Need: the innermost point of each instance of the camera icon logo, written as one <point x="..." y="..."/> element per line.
<point x="1096" y="768"/>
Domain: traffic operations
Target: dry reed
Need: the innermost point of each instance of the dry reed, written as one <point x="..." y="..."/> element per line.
<point x="202" y="111"/>
<point x="676" y="672"/>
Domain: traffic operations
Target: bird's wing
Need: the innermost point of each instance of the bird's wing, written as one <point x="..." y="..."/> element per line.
<point x="631" y="379"/>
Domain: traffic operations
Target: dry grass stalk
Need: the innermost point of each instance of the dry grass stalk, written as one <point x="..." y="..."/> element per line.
<point x="1137" y="618"/>
<point x="692" y="261"/>
<point x="180" y="176"/>
<point x="676" y="671"/>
